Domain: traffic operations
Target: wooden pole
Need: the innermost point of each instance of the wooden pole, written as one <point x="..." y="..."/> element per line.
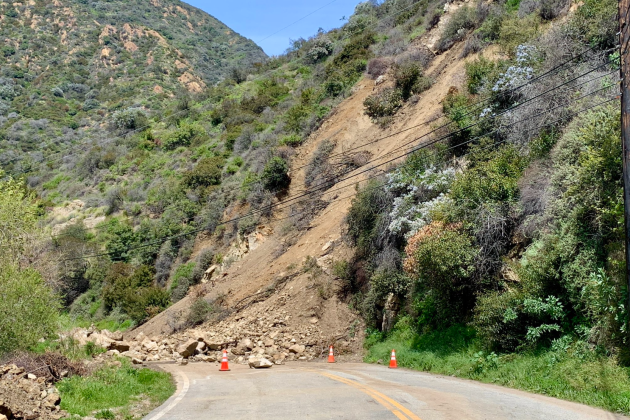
<point x="624" y="45"/>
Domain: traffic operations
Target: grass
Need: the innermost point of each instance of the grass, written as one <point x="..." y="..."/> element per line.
<point x="570" y="371"/>
<point x="123" y="391"/>
<point x="67" y="322"/>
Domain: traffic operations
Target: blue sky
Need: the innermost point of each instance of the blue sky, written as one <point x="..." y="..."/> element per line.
<point x="259" y="19"/>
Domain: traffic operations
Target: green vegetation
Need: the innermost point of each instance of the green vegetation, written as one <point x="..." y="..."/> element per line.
<point x="113" y="391"/>
<point x="569" y="370"/>
<point x="499" y="253"/>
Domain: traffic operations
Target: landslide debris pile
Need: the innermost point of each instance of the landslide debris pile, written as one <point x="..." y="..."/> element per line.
<point x="26" y="396"/>
<point x="256" y="335"/>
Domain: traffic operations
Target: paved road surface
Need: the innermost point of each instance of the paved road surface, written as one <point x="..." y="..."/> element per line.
<point x="350" y="391"/>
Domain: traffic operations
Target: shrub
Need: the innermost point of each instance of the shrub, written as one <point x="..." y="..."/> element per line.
<point x="28" y="308"/>
<point x="477" y="72"/>
<point x="492" y="176"/>
<point x="293" y="140"/>
<point x="463" y="20"/>
<point x="275" y="175"/>
<point x="199" y="312"/>
<point x="182" y="137"/>
<point x="377" y="67"/>
<point x="382" y="104"/>
<point x="595" y="21"/>
<point x="130" y="119"/>
<point x="517" y="31"/>
<point x="441" y="259"/>
<point x="322" y="47"/>
<point x="207" y="172"/>
<point x="131" y="289"/>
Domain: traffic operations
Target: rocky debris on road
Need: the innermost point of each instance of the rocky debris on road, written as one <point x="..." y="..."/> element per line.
<point x="259" y="363"/>
<point x="252" y="333"/>
<point x="25" y="396"/>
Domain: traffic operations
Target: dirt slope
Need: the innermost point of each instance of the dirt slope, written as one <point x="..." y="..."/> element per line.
<point x="262" y="282"/>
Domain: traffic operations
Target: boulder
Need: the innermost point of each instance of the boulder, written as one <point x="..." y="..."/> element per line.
<point x="246" y="344"/>
<point x="259" y="363"/>
<point x="120" y="346"/>
<point x="297" y="349"/>
<point x="149" y="345"/>
<point x="188" y="348"/>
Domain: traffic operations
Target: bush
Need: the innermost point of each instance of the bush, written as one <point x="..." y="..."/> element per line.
<point x="405" y="77"/>
<point x="182" y="137"/>
<point x="28" y="308"/>
<point x="441" y="259"/>
<point x="207" y="172"/>
<point x="596" y="22"/>
<point x="517" y="31"/>
<point x="492" y="176"/>
<point x="275" y="175"/>
<point x="131" y="289"/>
<point x="477" y="72"/>
<point x="377" y="67"/>
<point x="199" y="312"/>
<point x="383" y="104"/>
<point x="463" y="20"/>
<point x="130" y="119"/>
<point x="322" y="47"/>
<point x="293" y="140"/>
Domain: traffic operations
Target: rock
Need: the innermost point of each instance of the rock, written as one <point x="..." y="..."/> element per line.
<point x="209" y="273"/>
<point x="136" y="361"/>
<point x="239" y="351"/>
<point x="380" y="80"/>
<point x="149" y="345"/>
<point x="297" y="349"/>
<point x="207" y="359"/>
<point x="269" y="342"/>
<point x="259" y="363"/>
<point x="120" y="346"/>
<point x="116" y="336"/>
<point x="314" y="320"/>
<point x="246" y="344"/>
<point x="201" y="346"/>
<point x="182" y="362"/>
<point x="213" y="343"/>
<point x="187" y="349"/>
<point x="327" y="246"/>
<point x="3" y="417"/>
<point x="31" y="376"/>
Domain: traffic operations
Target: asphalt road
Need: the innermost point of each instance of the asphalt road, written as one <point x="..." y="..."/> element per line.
<point x="350" y="391"/>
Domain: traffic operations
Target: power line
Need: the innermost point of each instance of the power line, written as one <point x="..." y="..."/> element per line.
<point x="322" y="184"/>
<point x="283" y="204"/>
<point x="299" y="20"/>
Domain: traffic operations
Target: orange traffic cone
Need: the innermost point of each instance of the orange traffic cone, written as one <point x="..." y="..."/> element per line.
<point x="331" y="356"/>
<point x="224" y="362"/>
<point x="392" y="361"/>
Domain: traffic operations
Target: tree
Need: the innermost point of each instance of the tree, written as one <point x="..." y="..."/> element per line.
<point x="28" y="307"/>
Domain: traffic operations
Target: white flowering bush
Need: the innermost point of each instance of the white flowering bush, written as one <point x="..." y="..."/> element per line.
<point x="322" y="47"/>
<point x="519" y="73"/>
<point x="422" y="193"/>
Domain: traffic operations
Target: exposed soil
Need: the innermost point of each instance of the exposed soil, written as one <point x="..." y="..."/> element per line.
<point x="308" y="301"/>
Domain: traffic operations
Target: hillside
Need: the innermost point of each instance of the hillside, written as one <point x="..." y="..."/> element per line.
<point x="68" y="65"/>
<point x="442" y="178"/>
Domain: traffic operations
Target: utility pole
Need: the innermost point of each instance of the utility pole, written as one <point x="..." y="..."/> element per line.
<point x="624" y="46"/>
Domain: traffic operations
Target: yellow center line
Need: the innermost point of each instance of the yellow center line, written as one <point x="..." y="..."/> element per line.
<point x="394" y="406"/>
